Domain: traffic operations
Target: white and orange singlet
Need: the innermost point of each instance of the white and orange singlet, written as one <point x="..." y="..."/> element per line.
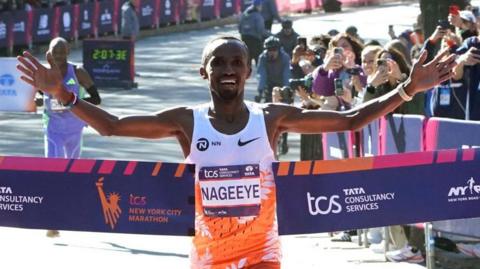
<point x="235" y="203"/>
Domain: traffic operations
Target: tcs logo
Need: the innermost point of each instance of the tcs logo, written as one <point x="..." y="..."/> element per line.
<point x="137" y="200"/>
<point x="323" y="205"/>
<point x="210" y="173"/>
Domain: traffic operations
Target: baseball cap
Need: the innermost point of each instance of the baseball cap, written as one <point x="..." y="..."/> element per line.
<point x="287" y="24"/>
<point x="468" y="16"/>
<point x="257" y="2"/>
<point x="351" y="30"/>
<point x="333" y="32"/>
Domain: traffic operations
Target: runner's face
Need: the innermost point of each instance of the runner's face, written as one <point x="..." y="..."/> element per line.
<point x="60" y="53"/>
<point x="227" y="70"/>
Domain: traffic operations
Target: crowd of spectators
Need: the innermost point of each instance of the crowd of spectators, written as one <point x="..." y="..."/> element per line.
<point x="9" y="5"/>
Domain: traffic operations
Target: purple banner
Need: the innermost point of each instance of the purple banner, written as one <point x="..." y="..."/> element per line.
<point x="86" y="19"/>
<point x="21" y="21"/>
<point x="208" y="9"/>
<point x="107" y="17"/>
<point x="337" y="145"/>
<point x="146" y="14"/>
<point x="43" y="21"/>
<point x="401" y="133"/>
<point x="5" y="26"/>
<point x="168" y="11"/>
<point x="322" y="196"/>
<point x="98" y="196"/>
<point x="370" y="142"/>
<point x="65" y="26"/>
<point x="227" y="8"/>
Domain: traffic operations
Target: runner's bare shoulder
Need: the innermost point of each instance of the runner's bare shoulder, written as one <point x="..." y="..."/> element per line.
<point x="181" y="116"/>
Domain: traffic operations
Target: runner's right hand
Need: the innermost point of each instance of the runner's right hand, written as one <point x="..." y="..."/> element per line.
<point x="48" y="80"/>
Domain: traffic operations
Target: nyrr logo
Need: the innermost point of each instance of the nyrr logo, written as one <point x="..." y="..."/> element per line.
<point x="315" y="207"/>
<point x="469" y="189"/>
<point x="110" y="207"/>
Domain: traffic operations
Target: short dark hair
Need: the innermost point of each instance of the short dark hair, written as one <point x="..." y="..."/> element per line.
<point x="207" y="51"/>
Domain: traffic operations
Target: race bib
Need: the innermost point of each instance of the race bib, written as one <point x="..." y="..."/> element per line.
<point x="56" y="106"/>
<point x="230" y="191"/>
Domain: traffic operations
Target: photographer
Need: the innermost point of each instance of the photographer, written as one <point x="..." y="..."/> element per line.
<point x="464" y="22"/>
<point x="252" y="29"/>
<point x="394" y="64"/>
<point x="449" y="98"/>
<point x="273" y="69"/>
<point x="468" y="69"/>
<point x="340" y="78"/>
<point x="288" y="37"/>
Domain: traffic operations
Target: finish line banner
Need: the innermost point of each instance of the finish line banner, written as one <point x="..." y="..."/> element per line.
<point x="321" y="196"/>
<point x="312" y="196"/>
<point x="97" y="196"/>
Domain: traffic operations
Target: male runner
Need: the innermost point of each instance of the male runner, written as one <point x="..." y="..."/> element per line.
<point x="231" y="132"/>
<point x="63" y="130"/>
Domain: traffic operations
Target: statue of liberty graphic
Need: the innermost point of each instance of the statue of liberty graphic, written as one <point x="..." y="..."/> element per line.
<point x="111" y="209"/>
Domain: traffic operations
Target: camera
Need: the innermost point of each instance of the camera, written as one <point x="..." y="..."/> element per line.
<point x="338" y="86"/>
<point x="286" y="94"/>
<point x="338" y="50"/>
<point x="354" y="71"/>
<point x="302" y="41"/>
<point x="305" y="82"/>
<point x="444" y="24"/>
<point x="381" y="62"/>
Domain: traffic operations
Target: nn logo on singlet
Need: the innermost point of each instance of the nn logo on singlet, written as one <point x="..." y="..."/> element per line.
<point x="203" y="144"/>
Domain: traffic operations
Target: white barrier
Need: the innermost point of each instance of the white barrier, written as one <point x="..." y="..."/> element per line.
<point x="15" y="95"/>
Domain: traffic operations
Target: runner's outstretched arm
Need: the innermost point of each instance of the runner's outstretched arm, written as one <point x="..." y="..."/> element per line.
<point x="424" y="76"/>
<point x="163" y="124"/>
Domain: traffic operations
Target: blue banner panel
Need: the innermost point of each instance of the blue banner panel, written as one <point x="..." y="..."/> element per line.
<point x="337" y="145"/>
<point x="168" y="11"/>
<point x="443" y="133"/>
<point x="97" y="196"/>
<point x="5" y="24"/>
<point x="208" y="9"/>
<point x="370" y="142"/>
<point x="66" y="21"/>
<point x="107" y="17"/>
<point x="147" y="13"/>
<point x="21" y="21"/>
<point x="401" y="133"/>
<point x="43" y="21"/>
<point x="340" y="195"/>
<point x="227" y="8"/>
<point x="109" y="62"/>
<point x="85" y="19"/>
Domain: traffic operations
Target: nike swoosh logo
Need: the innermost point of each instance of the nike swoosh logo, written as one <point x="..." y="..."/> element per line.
<point x="243" y="143"/>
